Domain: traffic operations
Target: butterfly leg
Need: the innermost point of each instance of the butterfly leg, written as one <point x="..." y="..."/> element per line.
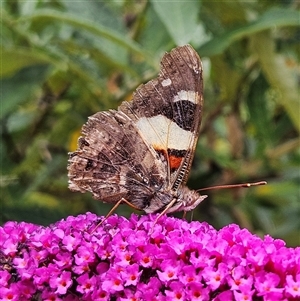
<point x="122" y="200"/>
<point x="165" y="210"/>
<point x="192" y="215"/>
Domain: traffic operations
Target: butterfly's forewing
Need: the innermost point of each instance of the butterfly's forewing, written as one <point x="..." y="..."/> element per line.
<point x="168" y="109"/>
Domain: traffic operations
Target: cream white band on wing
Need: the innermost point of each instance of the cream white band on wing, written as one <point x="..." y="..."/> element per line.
<point x="163" y="132"/>
<point x="191" y="96"/>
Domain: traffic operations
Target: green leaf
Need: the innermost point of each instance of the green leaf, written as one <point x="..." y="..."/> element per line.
<point x="259" y="113"/>
<point x="272" y="18"/>
<point x="17" y="89"/>
<point x="13" y="60"/>
<point x="20" y="120"/>
<point x="279" y="75"/>
<point x="179" y="17"/>
<point x="45" y="171"/>
<point x="82" y="24"/>
<point x="158" y="42"/>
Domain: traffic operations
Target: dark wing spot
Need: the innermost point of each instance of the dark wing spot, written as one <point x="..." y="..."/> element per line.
<point x="82" y="142"/>
<point x="184" y="112"/>
<point x="89" y="165"/>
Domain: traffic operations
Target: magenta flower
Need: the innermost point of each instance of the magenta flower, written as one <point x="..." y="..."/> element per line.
<point x="131" y="274"/>
<point x="244" y="293"/>
<point x="86" y="284"/>
<point x="60" y="283"/>
<point x="113" y="282"/>
<point x="197" y="292"/>
<point x="215" y="277"/>
<point x="176" y="292"/>
<point x="133" y="259"/>
<point x="293" y="286"/>
<point x="169" y="271"/>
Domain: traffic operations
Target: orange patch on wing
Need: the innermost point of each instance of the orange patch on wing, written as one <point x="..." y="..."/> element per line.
<point x="175" y="162"/>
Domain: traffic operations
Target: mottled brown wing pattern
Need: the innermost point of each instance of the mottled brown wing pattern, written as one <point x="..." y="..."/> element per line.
<point x="113" y="161"/>
<point x="167" y="111"/>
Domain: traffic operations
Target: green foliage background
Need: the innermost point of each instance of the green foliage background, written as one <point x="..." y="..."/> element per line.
<point x="62" y="61"/>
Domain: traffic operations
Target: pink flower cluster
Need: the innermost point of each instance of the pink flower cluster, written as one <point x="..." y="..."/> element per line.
<point x="137" y="260"/>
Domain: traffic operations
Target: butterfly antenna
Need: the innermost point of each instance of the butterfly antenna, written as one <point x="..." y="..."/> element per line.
<point x="243" y="185"/>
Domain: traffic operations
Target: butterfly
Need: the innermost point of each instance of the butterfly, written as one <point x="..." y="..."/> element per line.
<point x="142" y="152"/>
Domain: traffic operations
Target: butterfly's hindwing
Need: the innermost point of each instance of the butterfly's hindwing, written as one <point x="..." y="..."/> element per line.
<point x="113" y="161"/>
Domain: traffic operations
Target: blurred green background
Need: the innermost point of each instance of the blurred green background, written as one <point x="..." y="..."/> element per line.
<point x="62" y="61"/>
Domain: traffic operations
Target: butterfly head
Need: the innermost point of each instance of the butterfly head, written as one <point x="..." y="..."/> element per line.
<point x="186" y="200"/>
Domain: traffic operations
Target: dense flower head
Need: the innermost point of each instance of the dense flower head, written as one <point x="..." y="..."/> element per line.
<point x="137" y="259"/>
